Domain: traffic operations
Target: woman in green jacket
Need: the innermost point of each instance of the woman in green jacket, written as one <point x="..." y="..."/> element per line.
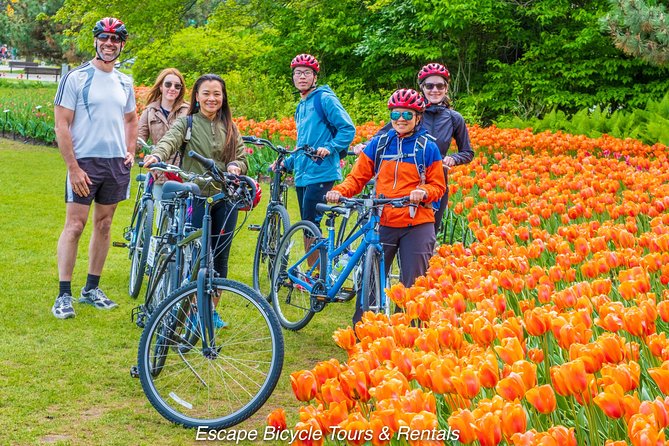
<point x="214" y="135"/>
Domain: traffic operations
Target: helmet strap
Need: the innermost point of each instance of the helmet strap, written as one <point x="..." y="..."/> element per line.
<point x="98" y="56"/>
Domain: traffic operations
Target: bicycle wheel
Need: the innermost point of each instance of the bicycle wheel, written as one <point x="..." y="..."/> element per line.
<point x="371" y="283"/>
<point x="275" y="226"/>
<point x="140" y="247"/>
<point x="292" y="301"/>
<point x="135" y="212"/>
<point x="228" y="384"/>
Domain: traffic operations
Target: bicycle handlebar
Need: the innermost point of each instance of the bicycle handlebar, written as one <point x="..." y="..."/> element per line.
<point x="308" y="150"/>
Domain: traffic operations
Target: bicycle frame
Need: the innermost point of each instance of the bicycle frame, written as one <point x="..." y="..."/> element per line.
<point x="326" y="246"/>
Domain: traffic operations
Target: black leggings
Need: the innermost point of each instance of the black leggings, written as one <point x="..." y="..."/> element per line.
<point x="223" y="224"/>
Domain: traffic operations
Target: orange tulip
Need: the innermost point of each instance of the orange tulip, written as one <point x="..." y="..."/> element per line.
<point x="355" y="385"/>
<point x="462" y="421"/>
<point x="663" y="310"/>
<point x="489" y="429"/>
<point x="510" y="350"/>
<point x="344" y="338"/>
<point x="542" y="398"/>
<point x="537" y="321"/>
<point x="661" y="377"/>
<point x="325" y="370"/>
<point x="308" y="433"/>
<point x="611" y="401"/>
<point x="277" y="419"/>
<point x="354" y="429"/>
<point x="304" y="385"/>
<point x="511" y="387"/>
<point x="535" y="355"/>
<point x="563" y="436"/>
<point x="467" y="384"/>
<point x="514" y="420"/>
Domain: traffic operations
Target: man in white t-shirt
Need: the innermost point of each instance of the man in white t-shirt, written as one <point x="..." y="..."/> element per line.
<point x="96" y="130"/>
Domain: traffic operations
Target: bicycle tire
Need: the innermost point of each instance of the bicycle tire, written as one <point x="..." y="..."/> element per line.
<point x="291" y="302"/>
<point x="371" y="283"/>
<point x="248" y="359"/>
<point x="140" y="250"/>
<point x="276" y="224"/>
<point x="135" y="212"/>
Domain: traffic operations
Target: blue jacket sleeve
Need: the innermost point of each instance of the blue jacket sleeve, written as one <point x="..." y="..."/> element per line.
<point x="340" y="119"/>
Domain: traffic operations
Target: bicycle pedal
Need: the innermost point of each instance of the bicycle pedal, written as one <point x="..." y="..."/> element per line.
<point x="119" y="244"/>
<point x="134" y="372"/>
<point x="255" y="228"/>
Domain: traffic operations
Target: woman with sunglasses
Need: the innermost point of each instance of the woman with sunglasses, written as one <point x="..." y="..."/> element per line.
<point x="165" y="103"/>
<point x="443" y="123"/>
<point x="213" y="135"/>
<point x="408" y="164"/>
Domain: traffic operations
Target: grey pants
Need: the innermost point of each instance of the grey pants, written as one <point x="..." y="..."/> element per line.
<point x="414" y="245"/>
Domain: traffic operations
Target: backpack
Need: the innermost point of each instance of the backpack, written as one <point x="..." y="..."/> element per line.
<point x="318" y="107"/>
<point x="418" y="154"/>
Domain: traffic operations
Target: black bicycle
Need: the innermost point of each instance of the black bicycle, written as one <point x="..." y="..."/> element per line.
<point x="277" y="220"/>
<point x="138" y="234"/>
<point x="194" y="371"/>
<point x="174" y="250"/>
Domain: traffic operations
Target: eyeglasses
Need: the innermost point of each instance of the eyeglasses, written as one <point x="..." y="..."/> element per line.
<point x="407" y="115"/>
<point x="105" y="37"/>
<point x="430" y="86"/>
<point x="169" y="85"/>
<point x="300" y="73"/>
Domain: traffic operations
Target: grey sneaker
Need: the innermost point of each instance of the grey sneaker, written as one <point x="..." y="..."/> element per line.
<point x="63" y="308"/>
<point x="97" y="298"/>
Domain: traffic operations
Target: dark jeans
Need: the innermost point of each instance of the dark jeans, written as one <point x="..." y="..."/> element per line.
<point x="309" y="196"/>
<point x="223" y="224"/>
<point x="413" y="245"/>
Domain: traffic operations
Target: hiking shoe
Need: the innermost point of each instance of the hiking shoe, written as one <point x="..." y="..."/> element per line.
<point x="97" y="298"/>
<point x="218" y="322"/>
<point x="193" y="322"/>
<point x="63" y="308"/>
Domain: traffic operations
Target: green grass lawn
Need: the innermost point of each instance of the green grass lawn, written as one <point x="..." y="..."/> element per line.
<point x="68" y="382"/>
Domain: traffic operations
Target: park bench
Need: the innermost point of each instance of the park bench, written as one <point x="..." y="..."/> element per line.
<point x="53" y="71"/>
<point x="20" y="64"/>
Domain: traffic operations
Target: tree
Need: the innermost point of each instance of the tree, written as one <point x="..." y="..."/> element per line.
<point x="639" y="29"/>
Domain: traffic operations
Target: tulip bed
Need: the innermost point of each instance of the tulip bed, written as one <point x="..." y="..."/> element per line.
<point x="549" y="329"/>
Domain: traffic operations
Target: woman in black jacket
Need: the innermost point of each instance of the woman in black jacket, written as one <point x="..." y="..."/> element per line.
<point x="444" y="124"/>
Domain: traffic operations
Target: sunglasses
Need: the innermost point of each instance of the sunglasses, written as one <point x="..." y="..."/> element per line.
<point x="113" y="37"/>
<point x="406" y="115"/>
<point x="430" y="86"/>
<point x="169" y="85"/>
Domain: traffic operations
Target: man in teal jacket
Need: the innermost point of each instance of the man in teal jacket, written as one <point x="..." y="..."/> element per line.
<point x="321" y="123"/>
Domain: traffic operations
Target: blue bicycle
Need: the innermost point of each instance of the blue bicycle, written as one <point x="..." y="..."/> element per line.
<point x="310" y="270"/>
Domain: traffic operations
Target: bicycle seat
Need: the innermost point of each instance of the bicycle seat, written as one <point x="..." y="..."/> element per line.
<point x="321" y="207"/>
<point x="141" y="177"/>
<point x="172" y="189"/>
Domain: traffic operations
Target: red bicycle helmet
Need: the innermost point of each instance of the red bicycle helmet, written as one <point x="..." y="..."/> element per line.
<point x="305" y="60"/>
<point x="110" y="25"/>
<point x="256" y="199"/>
<point x="434" y="69"/>
<point x="407" y="98"/>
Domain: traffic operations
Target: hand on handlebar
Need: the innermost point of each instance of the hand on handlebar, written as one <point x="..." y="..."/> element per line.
<point x="234" y="169"/>
<point x="333" y="196"/>
<point x="150" y="159"/>
<point x="359" y="148"/>
<point x="417" y="195"/>
<point x="322" y="152"/>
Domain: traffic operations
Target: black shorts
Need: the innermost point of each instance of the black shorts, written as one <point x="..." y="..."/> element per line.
<point x="111" y="181"/>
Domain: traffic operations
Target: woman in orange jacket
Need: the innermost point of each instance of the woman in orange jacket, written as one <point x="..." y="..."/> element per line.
<point x="406" y="162"/>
